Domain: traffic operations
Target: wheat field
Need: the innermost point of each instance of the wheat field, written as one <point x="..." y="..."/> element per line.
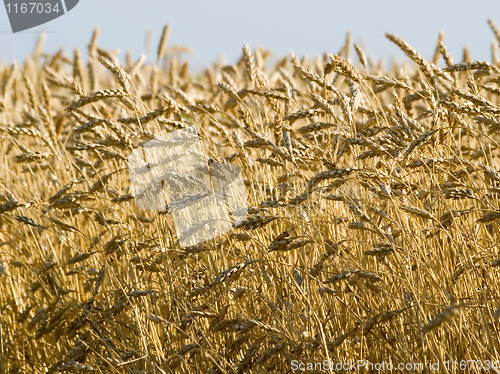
<point x="372" y="231"/>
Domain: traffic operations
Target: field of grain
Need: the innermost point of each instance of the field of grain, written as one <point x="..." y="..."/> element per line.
<point x="373" y="214"/>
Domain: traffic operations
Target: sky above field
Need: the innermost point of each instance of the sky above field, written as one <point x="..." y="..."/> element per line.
<point x="220" y="27"/>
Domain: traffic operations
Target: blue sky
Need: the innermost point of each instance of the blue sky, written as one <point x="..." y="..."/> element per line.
<point x="220" y="27"/>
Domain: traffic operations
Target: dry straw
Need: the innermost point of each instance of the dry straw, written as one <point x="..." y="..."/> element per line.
<point x="372" y="214"/>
